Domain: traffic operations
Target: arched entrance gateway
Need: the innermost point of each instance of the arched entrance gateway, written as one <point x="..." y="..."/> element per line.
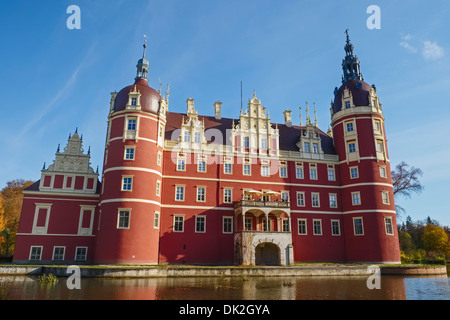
<point x="262" y="232"/>
<point x="267" y="254"/>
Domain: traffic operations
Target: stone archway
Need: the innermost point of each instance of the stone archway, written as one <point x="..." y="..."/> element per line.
<point x="267" y="254"/>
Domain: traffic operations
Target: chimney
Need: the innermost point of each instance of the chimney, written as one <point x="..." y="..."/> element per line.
<point x="287" y="118"/>
<point x="217" y="110"/>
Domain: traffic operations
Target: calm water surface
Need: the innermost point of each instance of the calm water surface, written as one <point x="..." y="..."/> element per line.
<point x="232" y="288"/>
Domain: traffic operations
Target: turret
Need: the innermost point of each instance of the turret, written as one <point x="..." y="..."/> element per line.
<point x="367" y="194"/>
<point x="130" y="202"/>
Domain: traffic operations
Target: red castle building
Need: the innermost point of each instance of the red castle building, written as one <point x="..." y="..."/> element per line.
<point x="186" y="188"/>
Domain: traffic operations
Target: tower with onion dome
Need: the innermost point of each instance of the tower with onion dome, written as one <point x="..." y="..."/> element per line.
<point x="130" y="205"/>
<point x="367" y="194"/>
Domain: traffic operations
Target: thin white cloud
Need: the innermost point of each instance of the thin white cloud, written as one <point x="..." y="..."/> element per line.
<point x="432" y="51"/>
<point x="429" y="50"/>
<point x="405" y="43"/>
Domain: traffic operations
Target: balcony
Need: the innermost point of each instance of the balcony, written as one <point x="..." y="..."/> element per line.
<point x="261" y="203"/>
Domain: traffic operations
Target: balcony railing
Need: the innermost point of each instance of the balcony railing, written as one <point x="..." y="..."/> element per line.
<point x="262" y="203"/>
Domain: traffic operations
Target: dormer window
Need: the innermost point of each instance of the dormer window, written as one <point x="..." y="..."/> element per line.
<point x="307" y="147"/>
<point x="347" y="104"/>
<point x="133" y="101"/>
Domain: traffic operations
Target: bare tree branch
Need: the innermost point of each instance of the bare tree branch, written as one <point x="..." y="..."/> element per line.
<point x="405" y="180"/>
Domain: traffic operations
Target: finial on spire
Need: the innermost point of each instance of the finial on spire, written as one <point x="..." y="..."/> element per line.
<point x="300" y="109"/>
<point x="308" y="119"/>
<point x="350" y="64"/>
<point x="315" y="115"/>
<point x="59" y="148"/>
<point x="143" y="65"/>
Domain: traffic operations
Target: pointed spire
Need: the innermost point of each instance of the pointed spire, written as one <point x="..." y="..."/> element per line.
<point x="315" y="115"/>
<point x="350" y="64"/>
<point x="43" y="168"/>
<point x="308" y="119"/>
<point x="300" y="109"/>
<point x="143" y="65"/>
<point x="59" y="148"/>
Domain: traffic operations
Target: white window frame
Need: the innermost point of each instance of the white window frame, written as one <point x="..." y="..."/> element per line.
<point x="301" y="201"/>
<point x="156" y="219"/>
<point x="315" y="203"/>
<point x="354" y="226"/>
<point x="391" y="225"/>
<point x="63" y="253"/>
<point x="225" y="221"/>
<point x="199" y="196"/>
<point x="385" y="197"/>
<point x="227" y="198"/>
<point x="179" y="187"/>
<point x="333" y="203"/>
<point x="125" y="184"/>
<point x="85" y="254"/>
<point x="175" y="223"/>
<point x="121" y="219"/>
<point x="126" y="153"/>
<point x="31" y="254"/>
<point x="319" y="222"/>
<point x="305" y="225"/>
<point x="338" y="227"/>
<point x="358" y="198"/>
<point x="197" y="219"/>
<point x="354" y="169"/>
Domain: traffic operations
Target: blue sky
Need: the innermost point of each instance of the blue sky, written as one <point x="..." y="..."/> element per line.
<point x="53" y="79"/>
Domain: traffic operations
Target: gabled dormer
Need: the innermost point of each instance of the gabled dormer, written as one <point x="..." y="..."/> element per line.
<point x="71" y="170"/>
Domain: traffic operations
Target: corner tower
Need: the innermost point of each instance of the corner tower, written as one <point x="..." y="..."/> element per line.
<point x="367" y="194"/>
<point x="132" y="174"/>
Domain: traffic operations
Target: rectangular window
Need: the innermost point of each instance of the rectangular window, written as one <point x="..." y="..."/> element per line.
<point x="181" y="165"/>
<point x="313" y="173"/>
<point x="227" y="195"/>
<point x="35" y="253"/>
<point x="123" y="220"/>
<point x="201" y="166"/>
<point x="129" y="153"/>
<point x="158" y="158"/>
<point x="315" y="148"/>
<point x="246" y="142"/>
<point x="58" y="253"/>
<point x="349" y="126"/>
<point x="307" y="147"/>
<point x="385" y="197"/>
<point x="388" y="225"/>
<point x="246" y="169"/>
<point x="377" y="126"/>
<point x="300" y="199"/>
<point x="158" y="188"/>
<point x="197" y="137"/>
<point x="187" y="136"/>
<point x="201" y="194"/>
<point x="358" y="228"/>
<point x="178" y="223"/>
<point x="265" y="170"/>
<point x="179" y="193"/>
<point x="285" y="225"/>
<point x="248" y="224"/>
<point x="335" y="228"/>
<point x="379" y="146"/>
<point x="315" y="199"/>
<point x="156" y="220"/>
<point x="301" y="226"/>
<point x="127" y="183"/>
<point x="356" y="198"/>
<point x="81" y="254"/>
<point x="131" y="124"/>
<point x="285" y="195"/>
<point x="133" y="101"/>
<point x="333" y="200"/>
<point x="383" y="172"/>
<point x="283" y="172"/>
<point x="354" y="173"/>
<point x="347" y="104"/>
<point x="227" y="168"/>
<point x="227" y="225"/>
<point x="299" y="171"/>
<point x="200" y="224"/>
<point x="264" y="143"/>
<point x="331" y="174"/>
<point x="317" y="227"/>
<point x="351" y="147"/>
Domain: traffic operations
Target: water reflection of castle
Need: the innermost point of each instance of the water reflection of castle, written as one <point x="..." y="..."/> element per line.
<point x="172" y="185"/>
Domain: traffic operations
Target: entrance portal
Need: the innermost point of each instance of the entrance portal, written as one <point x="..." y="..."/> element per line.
<point x="267" y="254"/>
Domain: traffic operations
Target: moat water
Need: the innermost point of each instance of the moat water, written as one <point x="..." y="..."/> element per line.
<point x="230" y="288"/>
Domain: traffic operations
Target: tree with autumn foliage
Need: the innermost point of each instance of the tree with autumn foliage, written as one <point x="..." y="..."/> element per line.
<point x="12" y="197"/>
<point x="435" y="239"/>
